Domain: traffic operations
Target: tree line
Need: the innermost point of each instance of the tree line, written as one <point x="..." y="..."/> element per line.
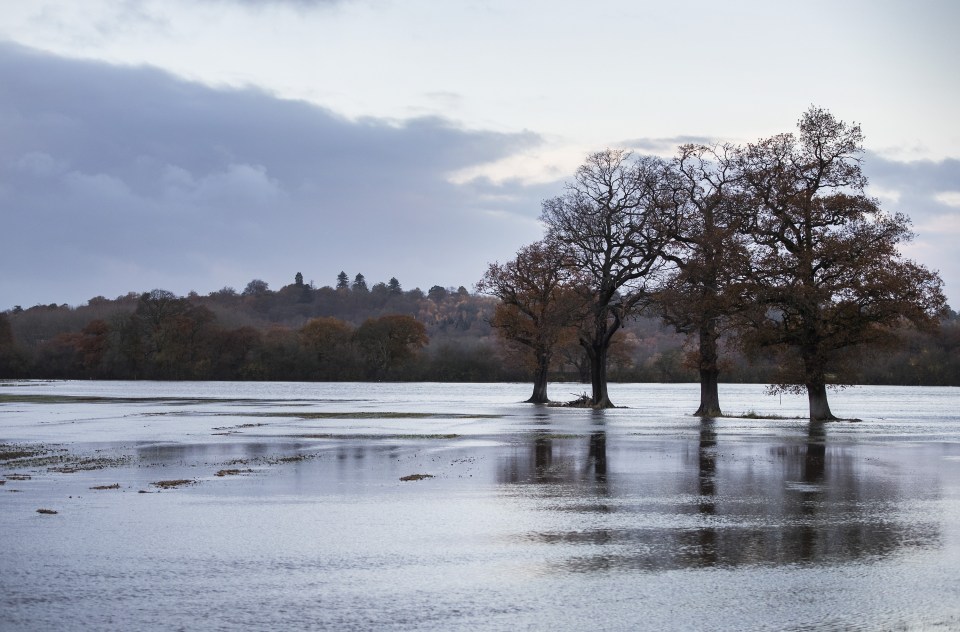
<point x="296" y="333"/>
<point x="775" y="245"/>
<point x="264" y="335"/>
<point x="765" y="263"/>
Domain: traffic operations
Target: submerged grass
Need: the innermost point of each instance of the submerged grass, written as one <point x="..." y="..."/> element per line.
<point x="14" y="452"/>
<point x="355" y="437"/>
<point x="752" y="414"/>
<point x="361" y="415"/>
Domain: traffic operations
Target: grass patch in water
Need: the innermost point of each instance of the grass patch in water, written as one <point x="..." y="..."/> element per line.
<point x="232" y="472"/>
<point x="752" y="414"/>
<point x="87" y="464"/>
<point x="14" y="452"/>
<point x="99" y="487"/>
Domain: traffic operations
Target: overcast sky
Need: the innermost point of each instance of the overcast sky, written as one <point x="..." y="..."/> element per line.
<point x="196" y="144"/>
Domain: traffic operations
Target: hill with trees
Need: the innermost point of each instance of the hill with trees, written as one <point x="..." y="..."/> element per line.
<point x="300" y="332"/>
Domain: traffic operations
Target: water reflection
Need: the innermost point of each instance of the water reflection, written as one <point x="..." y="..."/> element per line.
<point x="705" y="502"/>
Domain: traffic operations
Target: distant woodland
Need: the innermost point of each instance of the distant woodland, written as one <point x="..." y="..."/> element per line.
<point x="350" y="331"/>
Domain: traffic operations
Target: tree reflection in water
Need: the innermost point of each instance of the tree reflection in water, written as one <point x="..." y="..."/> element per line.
<point x="660" y="505"/>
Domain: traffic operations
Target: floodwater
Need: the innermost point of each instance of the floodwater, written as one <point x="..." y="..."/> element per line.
<point x="641" y="517"/>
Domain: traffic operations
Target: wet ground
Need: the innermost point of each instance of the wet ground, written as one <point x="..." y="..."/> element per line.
<point x="397" y="506"/>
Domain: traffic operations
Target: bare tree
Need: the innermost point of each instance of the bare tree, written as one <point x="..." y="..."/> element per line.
<point x="612" y="226"/>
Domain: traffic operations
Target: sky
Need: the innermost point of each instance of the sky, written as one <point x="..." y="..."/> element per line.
<point x="191" y="145"/>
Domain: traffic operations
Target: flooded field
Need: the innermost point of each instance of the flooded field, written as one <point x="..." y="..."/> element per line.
<point x="456" y="507"/>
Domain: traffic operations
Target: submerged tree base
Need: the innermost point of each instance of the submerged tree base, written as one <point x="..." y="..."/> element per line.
<point x="583" y="401"/>
<point x="708" y="412"/>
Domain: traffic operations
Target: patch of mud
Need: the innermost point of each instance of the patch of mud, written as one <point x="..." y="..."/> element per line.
<point x="114" y="486"/>
<point x="173" y="484"/>
<point x="416" y="477"/>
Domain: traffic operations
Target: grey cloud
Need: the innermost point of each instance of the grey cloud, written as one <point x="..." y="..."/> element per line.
<point x="911" y="187"/>
<point x="116" y="179"/>
<point x="918" y="178"/>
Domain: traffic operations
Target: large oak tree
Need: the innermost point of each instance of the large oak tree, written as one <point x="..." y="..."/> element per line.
<point x="827" y="274"/>
<point x="710" y="255"/>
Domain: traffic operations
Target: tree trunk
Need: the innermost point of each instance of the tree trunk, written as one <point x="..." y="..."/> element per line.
<point x="540" y="381"/>
<point x="819" y="407"/>
<point x="816" y="384"/>
<point x="709" y="372"/>
<point x="598" y="377"/>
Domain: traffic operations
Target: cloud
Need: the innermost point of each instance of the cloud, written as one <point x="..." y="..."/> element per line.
<point x="925" y="191"/>
<point x="116" y="179"/>
<point x="665" y="146"/>
<point x="950" y="198"/>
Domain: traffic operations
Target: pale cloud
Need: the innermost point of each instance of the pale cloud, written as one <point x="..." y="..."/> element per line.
<point x="886" y="196"/>
<point x="553" y="67"/>
<point x="941" y="226"/>
<point x="665" y="147"/>
<point x="950" y="198"/>
<point x="550" y="163"/>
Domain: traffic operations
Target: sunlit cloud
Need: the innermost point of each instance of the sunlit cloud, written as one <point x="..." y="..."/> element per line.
<point x="950" y="198"/>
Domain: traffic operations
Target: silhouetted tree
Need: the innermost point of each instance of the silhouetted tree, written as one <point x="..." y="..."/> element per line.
<point x="256" y="287"/>
<point x="343" y="281"/>
<point x="360" y="284"/>
<point x="613" y="228"/>
<point x="437" y="293"/>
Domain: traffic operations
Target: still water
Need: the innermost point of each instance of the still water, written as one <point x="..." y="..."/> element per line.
<point x="525" y="517"/>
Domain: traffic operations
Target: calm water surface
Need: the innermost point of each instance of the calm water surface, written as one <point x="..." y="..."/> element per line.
<point x="642" y="517"/>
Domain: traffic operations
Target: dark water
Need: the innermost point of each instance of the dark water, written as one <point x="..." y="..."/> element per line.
<point x="533" y="518"/>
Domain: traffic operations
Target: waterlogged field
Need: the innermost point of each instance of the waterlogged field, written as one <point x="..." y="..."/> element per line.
<point x="129" y="505"/>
